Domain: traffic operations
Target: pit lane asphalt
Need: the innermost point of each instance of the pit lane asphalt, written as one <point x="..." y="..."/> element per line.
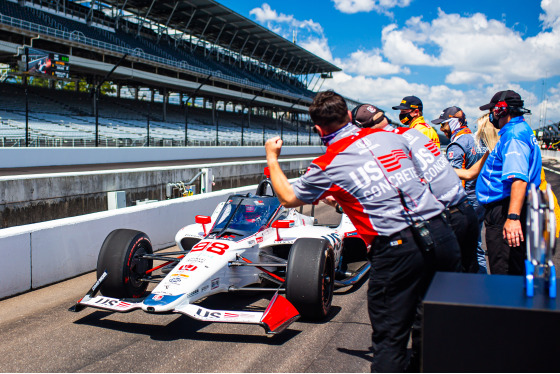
<point x="38" y="334"/>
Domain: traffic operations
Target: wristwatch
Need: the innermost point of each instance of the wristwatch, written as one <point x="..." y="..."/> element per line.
<point x="513" y="216"/>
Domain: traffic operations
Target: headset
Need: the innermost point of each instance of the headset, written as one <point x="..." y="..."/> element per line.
<point x="502" y="108"/>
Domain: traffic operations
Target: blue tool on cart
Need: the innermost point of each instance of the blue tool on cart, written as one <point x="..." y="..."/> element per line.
<point x="541" y="241"/>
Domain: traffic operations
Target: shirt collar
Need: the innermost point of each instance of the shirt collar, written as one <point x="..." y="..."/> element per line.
<point x="347" y="130"/>
<point x="458" y="132"/>
<point x="514" y="121"/>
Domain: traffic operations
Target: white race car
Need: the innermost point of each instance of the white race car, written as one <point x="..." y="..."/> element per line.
<point x="251" y="243"/>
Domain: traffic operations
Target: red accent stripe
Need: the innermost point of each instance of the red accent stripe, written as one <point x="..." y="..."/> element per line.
<point x="162" y="265"/>
<point x="355" y="211"/>
<point x="337" y="147"/>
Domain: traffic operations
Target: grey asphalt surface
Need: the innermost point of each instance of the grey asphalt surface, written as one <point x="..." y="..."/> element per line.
<point x="38" y="334"/>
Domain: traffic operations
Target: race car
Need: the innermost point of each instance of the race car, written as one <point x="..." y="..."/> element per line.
<point x="250" y="242"/>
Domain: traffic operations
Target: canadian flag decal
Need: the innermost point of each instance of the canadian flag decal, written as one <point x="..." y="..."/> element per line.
<point x="391" y="161"/>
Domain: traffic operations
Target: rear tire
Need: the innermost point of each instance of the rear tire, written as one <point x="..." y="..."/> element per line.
<point x="120" y="256"/>
<point x="310" y="277"/>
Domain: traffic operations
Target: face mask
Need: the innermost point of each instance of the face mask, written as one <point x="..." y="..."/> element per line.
<point x="405" y="118"/>
<point x="494" y="121"/>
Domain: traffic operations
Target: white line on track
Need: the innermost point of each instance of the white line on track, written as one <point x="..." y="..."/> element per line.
<point x="552" y="170"/>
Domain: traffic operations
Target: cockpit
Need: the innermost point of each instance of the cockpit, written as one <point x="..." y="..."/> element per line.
<point x="245" y="215"/>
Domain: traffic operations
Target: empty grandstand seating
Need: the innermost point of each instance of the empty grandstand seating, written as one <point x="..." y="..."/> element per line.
<point x="66" y="118"/>
<point x="128" y="37"/>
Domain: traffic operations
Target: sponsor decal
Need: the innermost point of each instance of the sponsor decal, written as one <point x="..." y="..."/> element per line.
<point x="175" y="280"/>
<point x="122" y="304"/>
<point x="348" y="234"/>
<point x="106" y="301"/>
<point x="215" y="283"/>
<point x="391" y="161"/>
<point x="251" y="242"/>
<point x="204" y="288"/>
<point x="259" y="202"/>
<point x="259" y="239"/>
<point x="450" y="155"/>
<point x="157" y="297"/>
<point x="180" y="275"/>
<point x="433" y="148"/>
<point x="101" y="279"/>
<point x="187" y="267"/>
<point x="193" y="293"/>
<point x="366" y="146"/>
<point x="197" y="259"/>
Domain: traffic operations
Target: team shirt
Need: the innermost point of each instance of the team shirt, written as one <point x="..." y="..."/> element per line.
<point x="420" y="124"/>
<point x="363" y="169"/>
<point x="462" y="153"/>
<point x="516" y="156"/>
<point x="443" y="180"/>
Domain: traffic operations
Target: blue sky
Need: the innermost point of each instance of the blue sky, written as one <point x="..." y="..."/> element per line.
<point x="445" y="52"/>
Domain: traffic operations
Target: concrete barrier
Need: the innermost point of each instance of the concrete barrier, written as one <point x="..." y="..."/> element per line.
<point x="43" y="253"/>
<point x="33" y="157"/>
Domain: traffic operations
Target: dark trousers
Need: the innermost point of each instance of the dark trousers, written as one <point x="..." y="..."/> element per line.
<point x="464" y="222"/>
<point x="502" y="258"/>
<point x="399" y="277"/>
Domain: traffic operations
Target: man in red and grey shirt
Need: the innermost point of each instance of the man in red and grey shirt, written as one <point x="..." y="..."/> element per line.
<point x="374" y="176"/>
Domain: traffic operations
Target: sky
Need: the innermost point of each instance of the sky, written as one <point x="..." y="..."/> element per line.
<point x="445" y="52"/>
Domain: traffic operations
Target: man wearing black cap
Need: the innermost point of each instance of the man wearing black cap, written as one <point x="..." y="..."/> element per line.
<point x="411" y="115"/>
<point x="463" y="153"/>
<point x="367" y="115"/>
<point x="502" y="184"/>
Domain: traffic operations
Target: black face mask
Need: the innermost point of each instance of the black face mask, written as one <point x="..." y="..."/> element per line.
<point x="495" y="121"/>
<point x="405" y="118"/>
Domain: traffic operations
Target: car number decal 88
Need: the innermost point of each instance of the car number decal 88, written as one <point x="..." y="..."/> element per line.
<point x="214" y="247"/>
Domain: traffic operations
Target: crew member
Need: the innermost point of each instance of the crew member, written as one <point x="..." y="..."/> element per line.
<point x="502" y="185"/>
<point x="367" y="115"/>
<point x="463" y="153"/>
<point x="372" y="174"/>
<point x="411" y="115"/>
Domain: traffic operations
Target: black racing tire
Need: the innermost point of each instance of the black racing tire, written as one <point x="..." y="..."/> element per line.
<point x="120" y="256"/>
<point x="310" y="277"/>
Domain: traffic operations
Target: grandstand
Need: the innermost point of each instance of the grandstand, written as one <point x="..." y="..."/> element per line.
<point x="177" y="72"/>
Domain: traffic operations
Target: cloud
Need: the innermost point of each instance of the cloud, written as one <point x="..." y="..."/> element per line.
<point x="369" y="64"/>
<point x="477" y="49"/>
<point x="380" y="6"/>
<point x="388" y="92"/>
<point x="278" y="22"/>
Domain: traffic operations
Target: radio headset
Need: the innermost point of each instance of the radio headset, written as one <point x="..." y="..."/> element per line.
<point x="419" y="226"/>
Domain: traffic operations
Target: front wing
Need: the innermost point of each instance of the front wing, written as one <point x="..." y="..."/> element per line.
<point x="279" y="314"/>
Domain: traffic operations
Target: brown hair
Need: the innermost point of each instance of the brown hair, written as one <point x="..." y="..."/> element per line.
<point x="329" y="110"/>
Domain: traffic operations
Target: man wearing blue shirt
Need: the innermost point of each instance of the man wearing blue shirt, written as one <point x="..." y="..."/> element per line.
<point x="502" y="184"/>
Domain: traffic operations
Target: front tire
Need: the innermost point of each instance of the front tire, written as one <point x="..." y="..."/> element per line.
<point x="121" y="256"/>
<point x="310" y="277"/>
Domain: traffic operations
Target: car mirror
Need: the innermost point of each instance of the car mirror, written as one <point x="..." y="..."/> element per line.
<point x="203" y="220"/>
<point x="283" y="224"/>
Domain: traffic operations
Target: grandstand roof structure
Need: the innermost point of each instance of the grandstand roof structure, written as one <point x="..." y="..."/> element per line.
<point x="209" y="20"/>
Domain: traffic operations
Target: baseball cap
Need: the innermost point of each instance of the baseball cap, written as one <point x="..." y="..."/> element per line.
<point x="410" y="102"/>
<point x="365" y="114"/>
<point x="512" y="98"/>
<point x="449" y="113"/>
